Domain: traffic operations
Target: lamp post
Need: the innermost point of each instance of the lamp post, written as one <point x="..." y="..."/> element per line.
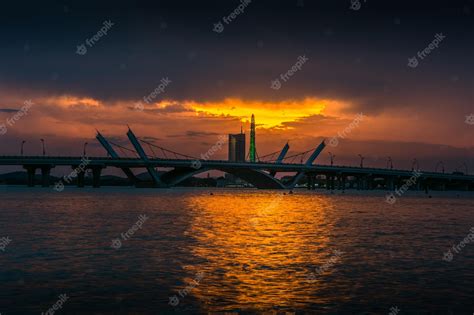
<point x="415" y="162"/>
<point x="84" y="151"/>
<point x="390" y="162"/>
<point x="22" y="145"/>
<point x="440" y="163"/>
<point x="44" y="150"/>
<point x="331" y="156"/>
<point x="362" y="158"/>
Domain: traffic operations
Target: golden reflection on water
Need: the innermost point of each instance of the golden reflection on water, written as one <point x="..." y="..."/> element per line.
<point x="258" y="249"/>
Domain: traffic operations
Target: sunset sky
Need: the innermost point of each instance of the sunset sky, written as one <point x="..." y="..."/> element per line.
<point x="356" y="63"/>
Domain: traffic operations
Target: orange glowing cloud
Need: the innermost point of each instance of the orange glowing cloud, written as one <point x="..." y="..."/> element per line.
<point x="270" y="114"/>
<point x="68" y="101"/>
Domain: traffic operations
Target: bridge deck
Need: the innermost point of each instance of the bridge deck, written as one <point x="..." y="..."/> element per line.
<point x="210" y="164"/>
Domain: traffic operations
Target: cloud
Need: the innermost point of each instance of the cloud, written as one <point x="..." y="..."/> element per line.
<point x="8" y="110"/>
<point x="194" y="134"/>
<point x="191" y="133"/>
<point x="151" y="139"/>
<point x="169" y="109"/>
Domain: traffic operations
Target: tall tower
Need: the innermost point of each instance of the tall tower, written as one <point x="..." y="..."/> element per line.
<point x="252" y="149"/>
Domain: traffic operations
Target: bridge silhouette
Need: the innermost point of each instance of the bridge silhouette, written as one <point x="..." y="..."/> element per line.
<point x="261" y="174"/>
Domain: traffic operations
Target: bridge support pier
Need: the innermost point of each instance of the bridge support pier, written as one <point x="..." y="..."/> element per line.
<point x="45" y="175"/>
<point x="342" y="182"/>
<point x="96" y="171"/>
<point x="30" y="170"/>
<point x="81" y="179"/>
<point x="389" y="183"/>
<point x="418" y="185"/>
<point x="371" y="183"/>
<point x="311" y="181"/>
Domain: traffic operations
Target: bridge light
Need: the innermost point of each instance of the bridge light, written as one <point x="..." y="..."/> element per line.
<point x="22" y="145"/>
<point x="331" y="156"/>
<point x="362" y="158"/>
<point x="415" y="164"/>
<point x="44" y="150"/>
<point x="390" y="162"/>
<point x="84" y="151"/>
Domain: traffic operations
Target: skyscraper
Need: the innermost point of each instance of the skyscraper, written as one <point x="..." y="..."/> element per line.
<point x="252" y="149"/>
<point x="237" y="147"/>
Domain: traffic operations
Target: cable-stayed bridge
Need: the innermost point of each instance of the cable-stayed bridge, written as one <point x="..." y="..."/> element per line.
<point x="261" y="174"/>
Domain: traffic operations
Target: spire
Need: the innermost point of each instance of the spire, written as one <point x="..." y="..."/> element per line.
<point x="252" y="149"/>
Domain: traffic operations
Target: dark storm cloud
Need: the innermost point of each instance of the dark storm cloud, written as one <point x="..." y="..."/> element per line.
<point x="192" y="133"/>
<point x="358" y="55"/>
<point x="151" y="139"/>
<point x="8" y="110"/>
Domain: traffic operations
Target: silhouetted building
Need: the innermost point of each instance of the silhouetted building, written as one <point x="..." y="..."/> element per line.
<point x="237" y="147"/>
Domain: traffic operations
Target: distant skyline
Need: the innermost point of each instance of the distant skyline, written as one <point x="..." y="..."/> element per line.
<point x="305" y="68"/>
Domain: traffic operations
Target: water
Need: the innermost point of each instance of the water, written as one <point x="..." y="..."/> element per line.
<point x="236" y="250"/>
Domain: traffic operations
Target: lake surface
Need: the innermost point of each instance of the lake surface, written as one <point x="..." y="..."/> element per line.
<point x="240" y="251"/>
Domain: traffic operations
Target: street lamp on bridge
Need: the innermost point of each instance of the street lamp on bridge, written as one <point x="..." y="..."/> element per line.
<point x="331" y="156"/>
<point x="22" y="145"/>
<point x="440" y="163"/>
<point x="84" y="151"/>
<point x="390" y="162"/>
<point x="44" y="150"/>
<point x="362" y="158"/>
<point x="415" y="162"/>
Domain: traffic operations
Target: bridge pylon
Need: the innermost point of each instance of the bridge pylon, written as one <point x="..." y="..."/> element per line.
<point x="309" y="162"/>
<point x="103" y="141"/>
<point x="141" y="153"/>
<point x="281" y="156"/>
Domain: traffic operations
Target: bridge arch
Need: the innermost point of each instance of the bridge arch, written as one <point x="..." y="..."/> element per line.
<point x="257" y="178"/>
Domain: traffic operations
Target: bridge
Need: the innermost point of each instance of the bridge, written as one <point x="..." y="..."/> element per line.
<point x="261" y="174"/>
